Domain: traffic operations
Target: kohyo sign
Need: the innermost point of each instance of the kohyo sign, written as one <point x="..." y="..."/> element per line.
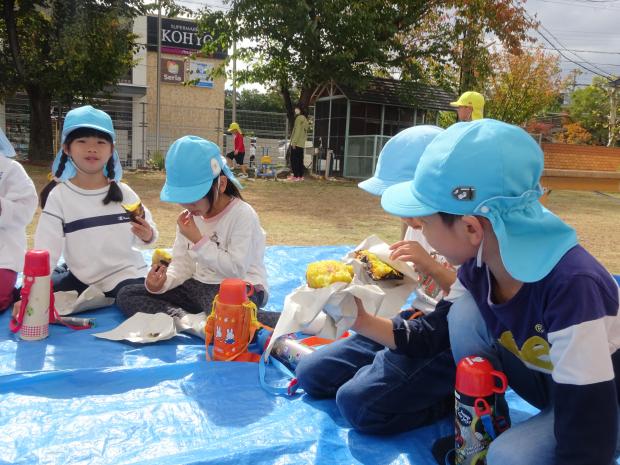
<point x="178" y="36"/>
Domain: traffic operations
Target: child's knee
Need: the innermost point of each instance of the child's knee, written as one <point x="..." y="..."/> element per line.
<point x="309" y="373"/>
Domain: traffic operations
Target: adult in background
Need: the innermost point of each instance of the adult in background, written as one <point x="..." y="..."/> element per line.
<point x="469" y="106"/>
<point x="298" y="143"/>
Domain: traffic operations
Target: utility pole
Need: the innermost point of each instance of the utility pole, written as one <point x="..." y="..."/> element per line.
<point x="157" y="104"/>
<point x="234" y="80"/>
<point x="613" y="106"/>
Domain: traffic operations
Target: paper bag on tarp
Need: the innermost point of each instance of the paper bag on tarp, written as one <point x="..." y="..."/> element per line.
<point x="330" y="311"/>
<point x="146" y="328"/>
<point x="397" y="291"/>
<point x="327" y="312"/>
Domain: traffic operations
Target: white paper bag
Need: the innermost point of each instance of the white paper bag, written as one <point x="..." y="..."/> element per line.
<point x="330" y="311"/>
<point x="142" y="328"/>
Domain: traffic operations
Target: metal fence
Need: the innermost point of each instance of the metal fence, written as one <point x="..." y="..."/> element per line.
<point x="266" y="133"/>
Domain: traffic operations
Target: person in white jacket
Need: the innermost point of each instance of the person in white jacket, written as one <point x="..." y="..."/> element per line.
<point x="18" y="202"/>
<point x="218" y="236"/>
<point x="83" y="217"/>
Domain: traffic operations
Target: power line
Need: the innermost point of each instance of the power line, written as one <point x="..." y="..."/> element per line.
<point x="605" y="75"/>
<point x="582" y="5"/>
<point x="605" y="52"/>
<point x="555" y="47"/>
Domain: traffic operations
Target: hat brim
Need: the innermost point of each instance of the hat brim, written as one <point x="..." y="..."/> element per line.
<point x="374" y="186"/>
<point x="399" y="200"/>
<point x="456" y="104"/>
<point x="184" y="194"/>
<point x="532" y="244"/>
<point x="70" y="129"/>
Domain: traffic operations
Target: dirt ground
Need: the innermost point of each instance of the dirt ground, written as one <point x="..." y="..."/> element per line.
<point x="318" y="212"/>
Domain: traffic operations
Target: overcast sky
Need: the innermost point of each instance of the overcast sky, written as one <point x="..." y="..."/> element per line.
<point x="589" y="25"/>
<point x="592" y="25"/>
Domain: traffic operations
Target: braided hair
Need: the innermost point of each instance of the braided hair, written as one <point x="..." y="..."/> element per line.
<point x="114" y="192"/>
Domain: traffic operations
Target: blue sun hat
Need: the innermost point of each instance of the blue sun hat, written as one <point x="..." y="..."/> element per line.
<point x="6" y="148"/>
<point x="399" y="157"/>
<point x="87" y="117"/>
<point x="492" y="169"/>
<point x="191" y="165"/>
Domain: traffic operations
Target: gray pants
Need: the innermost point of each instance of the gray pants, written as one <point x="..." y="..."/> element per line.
<point x="190" y="297"/>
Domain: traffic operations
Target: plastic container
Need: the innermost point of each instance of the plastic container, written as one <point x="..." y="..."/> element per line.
<point x="33" y="318"/>
<point x="477" y="385"/>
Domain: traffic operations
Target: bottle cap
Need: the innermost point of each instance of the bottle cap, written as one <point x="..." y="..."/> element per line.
<point x="234" y="291"/>
<point x="475" y="377"/>
<point x="37" y="263"/>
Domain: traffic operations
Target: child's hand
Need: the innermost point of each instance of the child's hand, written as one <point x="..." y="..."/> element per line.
<point x="156" y="278"/>
<point x="188" y="227"/>
<point x="412" y="251"/>
<point x="141" y="228"/>
<point x="362" y="315"/>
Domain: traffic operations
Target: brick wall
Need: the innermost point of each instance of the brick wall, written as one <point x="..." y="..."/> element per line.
<point x="581" y="157"/>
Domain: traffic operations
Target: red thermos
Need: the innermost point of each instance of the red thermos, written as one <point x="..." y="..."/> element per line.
<point x="477" y="385"/>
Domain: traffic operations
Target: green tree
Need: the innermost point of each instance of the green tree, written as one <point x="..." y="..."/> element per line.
<point x="523" y="86"/>
<point x="304" y="43"/>
<point x="62" y="51"/>
<point x="589" y="106"/>
<point x="250" y="99"/>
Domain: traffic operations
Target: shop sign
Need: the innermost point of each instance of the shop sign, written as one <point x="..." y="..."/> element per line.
<point x="172" y="71"/>
<point x="199" y="74"/>
<point x="179" y="37"/>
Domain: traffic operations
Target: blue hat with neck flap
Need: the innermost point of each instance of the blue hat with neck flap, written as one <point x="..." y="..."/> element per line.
<point x="6" y="148"/>
<point x="192" y="163"/>
<point x="86" y="117"/>
<point x="491" y="169"/>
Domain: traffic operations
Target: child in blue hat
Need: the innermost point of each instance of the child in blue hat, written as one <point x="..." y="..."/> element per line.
<point x="83" y="216"/>
<point x="541" y="307"/>
<point x="218" y="236"/>
<point x="18" y="202"/>
<point x="402" y="378"/>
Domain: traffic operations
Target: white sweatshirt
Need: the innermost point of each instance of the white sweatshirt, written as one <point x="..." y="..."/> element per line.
<point x="429" y="293"/>
<point x="18" y="202"/>
<point x="95" y="239"/>
<point x="232" y="246"/>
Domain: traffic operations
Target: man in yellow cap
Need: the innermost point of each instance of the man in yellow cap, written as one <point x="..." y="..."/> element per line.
<point x="469" y="106"/>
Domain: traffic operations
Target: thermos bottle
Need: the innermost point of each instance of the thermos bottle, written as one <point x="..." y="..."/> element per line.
<point x="33" y="318"/>
<point x="289" y="351"/>
<point x="477" y="385"/>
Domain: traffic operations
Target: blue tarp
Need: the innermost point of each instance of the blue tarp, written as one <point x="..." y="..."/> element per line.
<point x="73" y="398"/>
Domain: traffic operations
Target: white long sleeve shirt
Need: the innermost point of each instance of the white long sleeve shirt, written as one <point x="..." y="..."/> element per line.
<point x="18" y="202"/>
<point x="95" y="239"/>
<point x="232" y="246"/>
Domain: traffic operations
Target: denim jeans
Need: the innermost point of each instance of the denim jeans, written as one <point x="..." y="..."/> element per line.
<point x="534" y="438"/>
<point x="380" y="391"/>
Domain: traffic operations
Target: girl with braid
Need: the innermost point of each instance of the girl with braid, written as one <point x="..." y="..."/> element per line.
<point x="82" y="216"/>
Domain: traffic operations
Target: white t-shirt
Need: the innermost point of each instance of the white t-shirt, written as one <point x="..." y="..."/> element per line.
<point x="95" y="239"/>
<point x="18" y="202"/>
<point x="429" y="293"/>
<point x="232" y="246"/>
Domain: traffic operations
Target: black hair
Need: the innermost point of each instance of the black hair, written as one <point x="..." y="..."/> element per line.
<point x="449" y="218"/>
<point x="231" y="190"/>
<point x="114" y="192"/>
<point x="302" y="109"/>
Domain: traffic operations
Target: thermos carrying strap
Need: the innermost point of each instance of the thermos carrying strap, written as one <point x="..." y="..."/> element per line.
<point x="15" y="323"/>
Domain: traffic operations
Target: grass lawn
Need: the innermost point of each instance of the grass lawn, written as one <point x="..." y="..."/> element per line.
<point x="316" y="212"/>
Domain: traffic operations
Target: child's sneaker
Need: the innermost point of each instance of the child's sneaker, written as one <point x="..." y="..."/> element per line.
<point x="242" y="176"/>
